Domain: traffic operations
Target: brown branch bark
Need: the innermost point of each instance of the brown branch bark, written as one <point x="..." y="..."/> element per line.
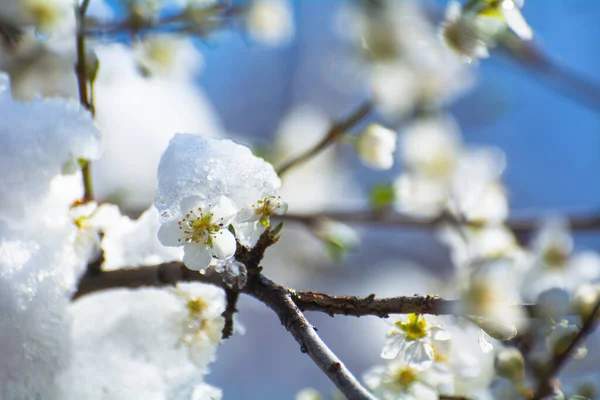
<point x="334" y="133"/>
<point x="278" y="298"/>
<point x="232" y="297"/>
<point x="522" y="225"/>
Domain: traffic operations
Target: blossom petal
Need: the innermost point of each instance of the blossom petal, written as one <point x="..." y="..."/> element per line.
<point x="395" y="345"/>
<point x="223" y="211"/>
<point x="485" y="342"/>
<point x="169" y="234"/>
<point x="191" y="203"/>
<point x="197" y="256"/>
<point x="419" y="355"/>
<point x="280" y="208"/>
<point x="224" y="244"/>
<point x="515" y="21"/>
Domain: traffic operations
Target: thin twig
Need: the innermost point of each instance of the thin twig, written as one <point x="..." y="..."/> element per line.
<point x="276" y="297"/>
<point x="560" y="359"/>
<point x="519" y="225"/>
<point x="169" y="274"/>
<point x="84" y="98"/>
<point x="232" y="297"/>
<point x="554" y="75"/>
<point x="198" y="22"/>
<point x="279" y="300"/>
<point x="334" y="133"/>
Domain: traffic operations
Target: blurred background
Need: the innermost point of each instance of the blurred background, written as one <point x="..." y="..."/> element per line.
<point x="281" y="99"/>
<point x="551" y="144"/>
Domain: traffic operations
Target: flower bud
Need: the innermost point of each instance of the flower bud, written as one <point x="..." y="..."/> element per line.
<point x="585" y="299"/>
<point x="510" y="364"/>
<point x="308" y="394"/>
<point x="560" y="337"/>
<point x="376" y="146"/>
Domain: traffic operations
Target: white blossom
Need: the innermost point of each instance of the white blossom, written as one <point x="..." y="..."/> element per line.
<point x="399" y="381"/>
<point x="413" y="341"/>
<point x="47" y="16"/>
<point x="472" y="29"/>
<point x="204" y="186"/>
<point x="560" y="336"/>
<point x="376" y="146"/>
<point x="154" y="344"/>
<point x="203" y="231"/>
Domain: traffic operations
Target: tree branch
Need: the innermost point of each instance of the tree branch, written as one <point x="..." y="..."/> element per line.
<point x="198" y="22"/>
<point x="521" y="225"/>
<point x="169" y="274"/>
<point x="554" y="75"/>
<point x="232" y="297"/>
<point x="278" y="299"/>
<point x="334" y="133"/>
<point x="560" y="359"/>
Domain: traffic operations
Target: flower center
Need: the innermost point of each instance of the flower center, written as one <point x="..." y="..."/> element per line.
<point x="415" y="328"/>
<point x="555" y="257"/>
<point x="266" y="208"/>
<point x="196" y="307"/>
<point x="405" y="377"/>
<point x="198" y="227"/>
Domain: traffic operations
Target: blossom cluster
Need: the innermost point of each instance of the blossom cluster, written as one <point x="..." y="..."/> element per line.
<point x="211" y="195"/>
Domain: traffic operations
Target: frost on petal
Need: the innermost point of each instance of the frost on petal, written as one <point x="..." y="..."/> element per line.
<point x="197" y="256"/>
<point x="170" y="234"/>
<point x="224" y="244"/>
<point x="211" y="168"/>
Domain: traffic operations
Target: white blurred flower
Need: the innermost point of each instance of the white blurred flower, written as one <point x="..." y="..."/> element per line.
<point x="584" y="299"/>
<point x="431" y="146"/>
<point x="413" y="341"/>
<point x="560" y="337"/>
<point x="203" y="323"/>
<point x="47" y="16"/>
<point x="399" y="381"/>
<point x="510" y="364"/>
<point x="308" y="394"/>
<point x="168" y="56"/>
<point x="376" y="146"/>
<point x="270" y="22"/>
<point x="492" y="293"/>
<point x="202" y="231"/>
<point x="472" y="29"/>
<point x="555" y="265"/>
<point x="407" y="65"/>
